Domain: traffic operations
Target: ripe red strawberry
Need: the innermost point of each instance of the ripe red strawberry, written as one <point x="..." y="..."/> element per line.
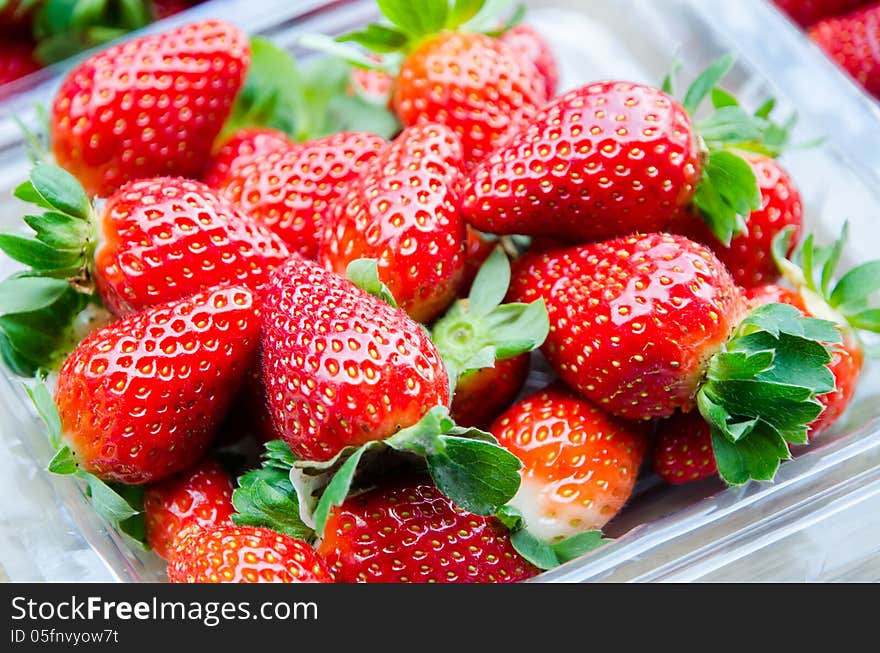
<point x="15" y="15"/>
<point x="683" y="449"/>
<point x="142" y="398"/>
<point x="851" y="41"/>
<point x="166" y="8"/>
<point x="528" y="43"/>
<point x="772" y="293"/>
<point x="808" y="12"/>
<point x="246" y="145"/>
<point x="403" y="211"/>
<point x="200" y="496"/>
<point x="749" y="256"/>
<point x="579" y="464"/>
<point x="290" y="190"/>
<point x="408" y="532"/>
<point x="651" y="323"/>
<point x="116" y="118"/>
<point x="342" y="367"/>
<point x="16" y="60"/>
<point x="372" y="85"/>
<point x="243" y="554"/>
<point x="484" y="393"/>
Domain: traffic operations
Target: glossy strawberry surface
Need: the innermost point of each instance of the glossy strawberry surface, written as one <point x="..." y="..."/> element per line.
<point x="633" y="321"/>
<point x="142" y="398"/>
<point x="750" y="255"/>
<point x="579" y="463"/>
<point x="478" y="86"/>
<point x="604" y="160"/>
<point x="403" y="211"/>
<point x="243" y="554"/>
<point x="290" y="190"/>
<point x="200" y="496"/>
<point x="244" y="146"/>
<point x="851" y="41"/>
<point x="528" y="43"/>
<point x="147" y="107"/>
<point x="166" y="238"/>
<point x="481" y="395"/>
<point x="407" y="532"/>
<point x="808" y="12"/>
<point x="342" y="367"/>
<point x="683" y="449"/>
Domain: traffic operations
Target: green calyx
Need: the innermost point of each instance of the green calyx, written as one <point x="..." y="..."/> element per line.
<point x="467" y="465"/>
<point x="543" y="554"/>
<point x="728" y="191"/>
<point x="364" y="273"/>
<point x="812" y="269"/>
<point x="120" y="505"/>
<point x="265" y="496"/>
<point x="760" y="392"/>
<point x="475" y="333"/>
<point x="64" y="28"/>
<point x="38" y="305"/>
<point x="305" y="101"/>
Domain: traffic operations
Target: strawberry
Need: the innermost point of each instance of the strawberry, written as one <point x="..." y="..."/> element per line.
<point x="371" y="84"/>
<point x="528" y="43"/>
<point x="16" y="61"/>
<point x="772" y="293"/>
<point x="403" y="211"/>
<point x="809" y="12"/>
<point x="16" y="14"/>
<point x="342" y="367"/>
<point x="612" y="158"/>
<point x="200" y="496"/>
<point x="246" y="145"/>
<point x="485" y="344"/>
<point x="165" y="8"/>
<point x="683" y="449"/>
<point x="749" y="256"/>
<point x="651" y="323"/>
<point x="406" y="531"/>
<point x="99" y="136"/>
<point x="851" y="41"/>
<point x="478" y="86"/>
<point x="290" y="190"/>
<point x="579" y="464"/>
<point x="142" y="398"/>
<point x="153" y="241"/>
<point x="243" y="554"/>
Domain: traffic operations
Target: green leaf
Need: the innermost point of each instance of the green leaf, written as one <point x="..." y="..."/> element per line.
<point x="766" y="108"/>
<point x="727" y="194"/>
<point x="63" y="462"/>
<point x="337" y="490"/>
<point x="577" y="545"/>
<point x="670" y="80"/>
<point x="476" y="475"/>
<point x="869" y="320"/>
<point x="27" y="193"/>
<point x="377" y="38"/>
<point x="42" y="399"/>
<point x="364" y="273"/>
<point x="59" y="230"/>
<point x="731" y="124"/>
<point x="490" y="284"/>
<point x="856" y="286"/>
<point x="335" y="49"/>
<point x="14" y="360"/>
<point x="35" y="254"/>
<point x="462" y="11"/>
<point x="721" y="98"/>
<point x="518" y="328"/>
<point x="61" y="190"/>
<point x="426" y="17"/>
<point x="833" y="259"/>
<point x="756" y="457"/>
<point x="706" y="81"/>
<point x="106" y="501"/>
<point x="22" y="294"/>
<point x="535" y="550"/>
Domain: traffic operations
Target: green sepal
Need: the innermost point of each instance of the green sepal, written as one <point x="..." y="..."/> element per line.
<point x="63" y="462"/>
<point x="490" y="283"/>
<point x="364" y="273"/>
<point x="543" y="554"/>
<point x="416" y="20"/>
<point x="377" y="38"/>
<point x="266" y="497"/>
<point x="467" y="465"/>
<point x="727" y="194"/>
<point x="760" y="390"/>
<point x="36" y="254"/>
<point x="22" y="294"/>
<point x="59" y="231"/>
<point x="42" y="399"/>
<point x="706" y="81"/>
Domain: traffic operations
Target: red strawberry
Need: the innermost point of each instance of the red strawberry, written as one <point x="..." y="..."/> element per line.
<point x="528" y="43"/>
<point x="290" y="190"/>
<point x="372" y="85"/>
<point x="243" y="554"/>
<point x="16" y="14"/>
<point x="851" y="41"/>
<point x="808" y="12"/>
<point x="166" y="8"/>
<point x="772" y="293"/>
<point x="16" y="60"/>
<point x="408" y="532"/>
<point x="683" y="449"/>
<point x="116" y="117"/>
<point x="201" y="496"/>
<point x="142" y="398"/>
<point x="342" y="367"/>
<point x="648" y="324"/>
<point x="481" y="395"/>
<point x="403" y="211"/>
<point x="579" y="464"/>
<point x="244" y="146"/>
<point x="749" y="256"/>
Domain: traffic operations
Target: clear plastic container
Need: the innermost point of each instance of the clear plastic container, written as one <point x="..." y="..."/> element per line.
<point x="818" y="521"/>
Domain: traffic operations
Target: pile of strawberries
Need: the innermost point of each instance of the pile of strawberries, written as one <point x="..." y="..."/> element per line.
<point x="847" y="30"/>
<point x="36" y="33"/>
<point x="209" y="262"/>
